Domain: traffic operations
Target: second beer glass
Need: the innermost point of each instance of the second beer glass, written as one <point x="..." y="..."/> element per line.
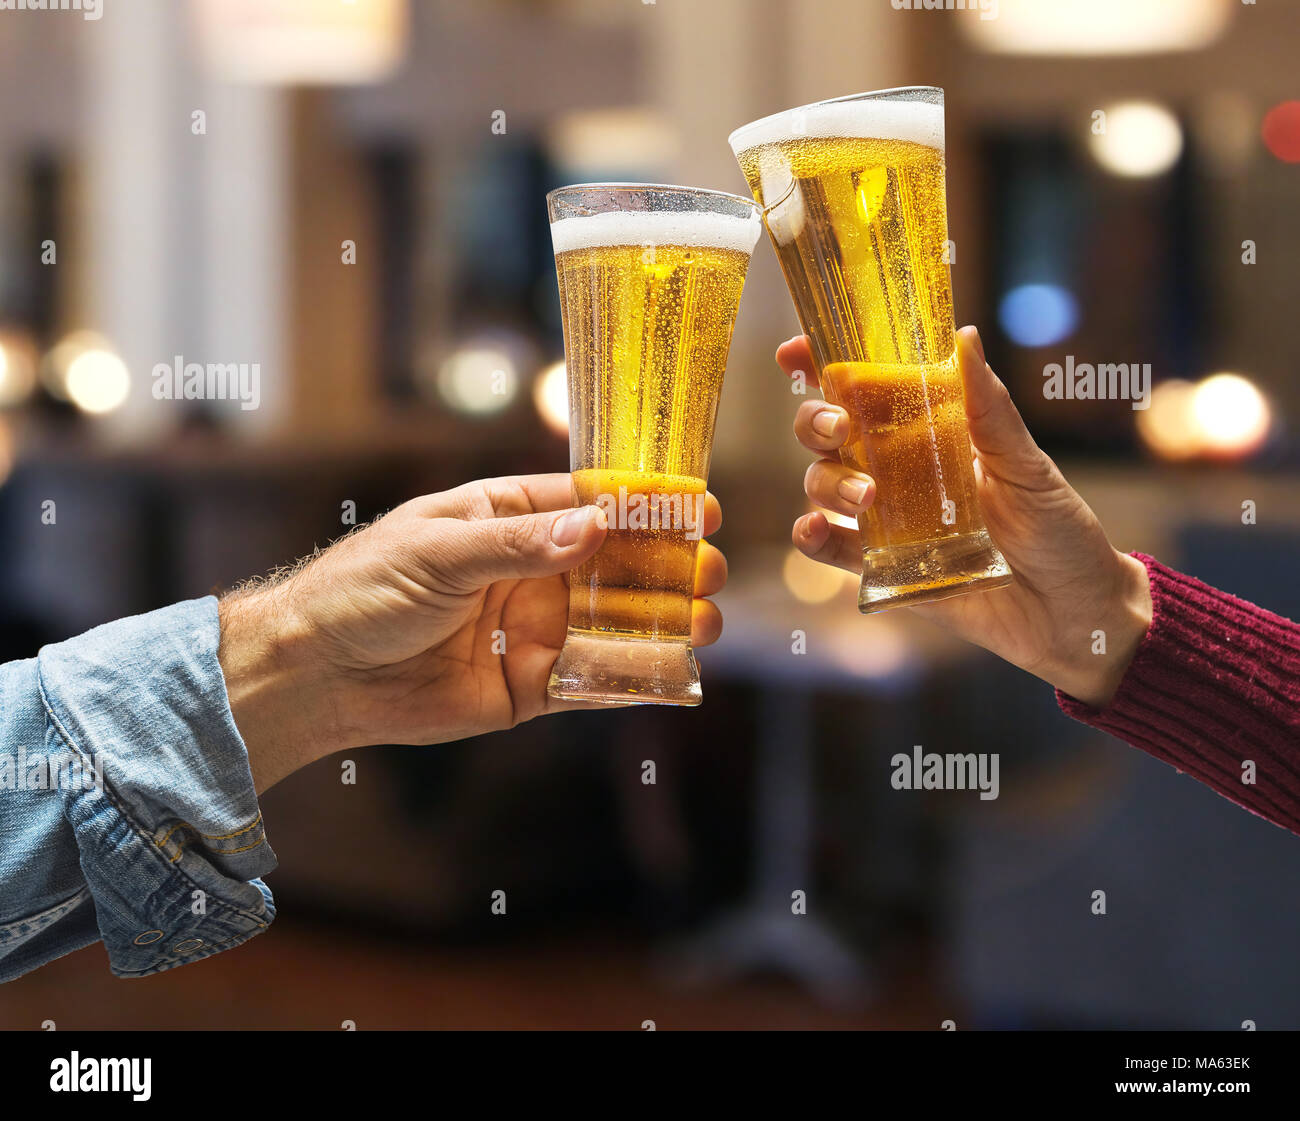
<point x="650" y="280"/>
<point x="852" y="192"/>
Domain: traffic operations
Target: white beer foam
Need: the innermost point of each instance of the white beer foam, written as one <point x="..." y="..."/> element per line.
<point x="918" y="121"/>
<point x="660" y="227"/>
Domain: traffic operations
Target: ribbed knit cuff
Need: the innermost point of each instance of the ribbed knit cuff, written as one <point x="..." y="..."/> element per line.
<point x="1215" y="684"/>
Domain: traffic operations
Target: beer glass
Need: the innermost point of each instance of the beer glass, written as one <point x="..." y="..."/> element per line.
<point x="650" y="279"/>
<point x="852" y="192"/>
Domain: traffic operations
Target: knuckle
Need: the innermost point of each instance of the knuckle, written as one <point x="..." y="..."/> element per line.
<point x="514" y="536"/>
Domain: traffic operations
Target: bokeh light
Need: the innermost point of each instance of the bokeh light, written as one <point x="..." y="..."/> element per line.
<point x="1038" y="314"/>
<point x="302" y="42"/>
<point x="1281" y="131"/>
<point x="54" y="366"/>
<point x="7" y="454"/>
<point x="809" y="581"/>
<point x="84" y="369"/>
<point x="1142" y="139"/>
<point x="551" y="398"/>
<point x="97" y="381"/>
<point x="1223" y="416"/>
<point x="18" y="363"/>
<point x="1232" y="417"/>
<point x="1098" y="27"/>
<point x="479" y="379"/>
<point x="876" y="650"/>
<point x="1167" y="425"/>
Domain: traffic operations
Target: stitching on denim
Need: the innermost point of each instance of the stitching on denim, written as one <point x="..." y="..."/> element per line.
<point x="216" y="852"/>
<point x="112" y="796"/>
<point x="47" y="918"/>
<point x="213" y="836"/>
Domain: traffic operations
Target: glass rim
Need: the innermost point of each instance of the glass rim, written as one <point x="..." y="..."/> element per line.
<point x="866" y="95"/>
<point x="680" y="188"/>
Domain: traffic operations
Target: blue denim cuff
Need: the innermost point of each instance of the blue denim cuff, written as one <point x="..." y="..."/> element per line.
<point x="173" y="847"/>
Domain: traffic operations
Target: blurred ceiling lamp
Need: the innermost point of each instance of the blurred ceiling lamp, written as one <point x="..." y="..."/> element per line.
<point x="478" y="378"/>
<point x="302" y="42"/>
<point x="1232" y="417"/>
<point x="1038" y="314"/>
<point x="1095" y="27"/>
<point x="1142" y="139"/>
<point x="606" y="141"/>
<point x="18" y="361"/>
<point x="551" y="397"/>
<point x="1281" y="131"/>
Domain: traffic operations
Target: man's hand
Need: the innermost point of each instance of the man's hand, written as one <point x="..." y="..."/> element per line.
<point x="1069" y="581"/>
<point x="441" y="620"/>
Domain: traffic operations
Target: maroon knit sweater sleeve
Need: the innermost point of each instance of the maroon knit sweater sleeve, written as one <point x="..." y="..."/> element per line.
<point x="1215" y="683"/>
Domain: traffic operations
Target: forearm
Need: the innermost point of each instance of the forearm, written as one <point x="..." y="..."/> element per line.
<point x="283" y="707"/>
<point x="1213" y="689"/>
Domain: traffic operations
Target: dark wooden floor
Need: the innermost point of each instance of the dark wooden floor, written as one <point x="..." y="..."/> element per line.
<point x="304" y="977"/>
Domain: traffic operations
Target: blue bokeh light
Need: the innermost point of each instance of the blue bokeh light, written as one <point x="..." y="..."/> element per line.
<point x="1038" y="314"/>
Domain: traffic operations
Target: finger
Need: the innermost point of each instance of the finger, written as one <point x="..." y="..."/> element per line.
<point x="467" y="555"/>
<point x="706" y="622"/>
<point x="506" y="497"/>
<point x="819" y="540"/>
<point x="794" y="356"/>
<point x="710" y="570"/>
<point x="997" y="431"/>
<point x="839" y="488"/>
<point x="822" y="427"/>
<point x="712" y="520"/>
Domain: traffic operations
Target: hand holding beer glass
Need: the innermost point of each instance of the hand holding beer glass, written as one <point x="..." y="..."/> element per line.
<point x="650" y="280"/>
<point x="852" y="192"/>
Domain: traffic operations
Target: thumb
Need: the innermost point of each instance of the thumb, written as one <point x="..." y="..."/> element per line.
<point x="474" y="554"/>
<point x="997" y="432"/>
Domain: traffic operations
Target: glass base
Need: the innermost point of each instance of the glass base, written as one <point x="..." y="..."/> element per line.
<point x="905" y="575"/>
<point x="617" y="669"/>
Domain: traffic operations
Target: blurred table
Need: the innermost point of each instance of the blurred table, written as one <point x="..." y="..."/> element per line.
<point x="792" y="652"/>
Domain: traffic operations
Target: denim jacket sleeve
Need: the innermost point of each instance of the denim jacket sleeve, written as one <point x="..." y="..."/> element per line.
<point x="127" y="807"/>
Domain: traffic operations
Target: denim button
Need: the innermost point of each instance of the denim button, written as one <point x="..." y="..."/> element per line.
<point x="188" y="946"/>
<point x="147" y="937"/>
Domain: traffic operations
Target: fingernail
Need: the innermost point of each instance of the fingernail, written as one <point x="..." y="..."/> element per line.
<point x="567" y="528"/>
<point x="853" y="490"/>
<point x="824" y="422"/>
<point x="978" y="343"/>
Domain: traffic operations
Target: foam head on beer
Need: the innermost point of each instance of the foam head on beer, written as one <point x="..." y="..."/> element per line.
<point x="875" y="118"/>
<point x="650" y="228"/>
<point x="765" y="148"/>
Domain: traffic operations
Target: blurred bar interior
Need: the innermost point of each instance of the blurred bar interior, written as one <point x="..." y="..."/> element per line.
<point x="350" y="196"/>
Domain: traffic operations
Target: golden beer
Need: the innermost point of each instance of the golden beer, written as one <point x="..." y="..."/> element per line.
<point x="853" y="197"/>
<point x="650" y="281"/>
<point x="642" y="581"/>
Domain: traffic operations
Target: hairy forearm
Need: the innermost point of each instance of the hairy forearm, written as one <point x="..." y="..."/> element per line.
<point x="279" y="694"/>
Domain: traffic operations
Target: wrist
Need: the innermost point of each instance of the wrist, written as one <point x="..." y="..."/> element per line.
<point x="277" y="686"/>
<point x="1093" y="669"/>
